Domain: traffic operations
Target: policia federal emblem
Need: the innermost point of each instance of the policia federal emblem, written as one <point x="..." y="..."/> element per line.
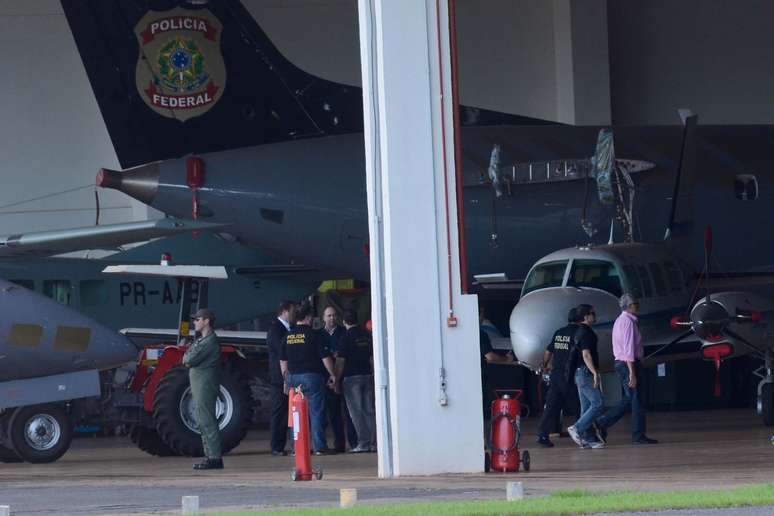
<point x="180" y="71"/>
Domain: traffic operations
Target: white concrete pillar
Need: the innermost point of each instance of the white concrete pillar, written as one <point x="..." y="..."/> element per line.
<point x="429" y="413"/>
<point x="582" y="63"/>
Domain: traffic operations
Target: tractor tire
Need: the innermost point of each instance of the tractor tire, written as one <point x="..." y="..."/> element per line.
<point x="148" y="440"/>
<point x="173" y="411"/>
<point x="767" y="404"/>
<point x="40" y="433"/>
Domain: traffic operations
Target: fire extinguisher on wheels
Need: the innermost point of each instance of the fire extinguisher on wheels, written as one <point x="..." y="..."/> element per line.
<point x="298" y="420"/>
<point x="506" y="433"/>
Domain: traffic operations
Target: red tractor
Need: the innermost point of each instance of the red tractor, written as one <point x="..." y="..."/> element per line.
<point x="153" y="396"/>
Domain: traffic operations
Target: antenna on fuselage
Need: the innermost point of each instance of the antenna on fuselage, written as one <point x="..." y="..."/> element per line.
<point x="612" y="225"/>
<point x="685" y="165"/>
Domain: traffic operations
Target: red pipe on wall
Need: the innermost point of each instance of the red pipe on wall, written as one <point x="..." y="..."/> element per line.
<point x="458" y="148"/>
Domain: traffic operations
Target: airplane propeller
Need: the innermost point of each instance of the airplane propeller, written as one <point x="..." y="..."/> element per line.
<point x="710" y="320"/>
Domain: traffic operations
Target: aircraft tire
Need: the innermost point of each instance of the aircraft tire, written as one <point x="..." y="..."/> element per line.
<point x="148" y="440"/>
<point x="40" y="433"/>
<point x="172" y="411"/>
<point x="767" y="403"/>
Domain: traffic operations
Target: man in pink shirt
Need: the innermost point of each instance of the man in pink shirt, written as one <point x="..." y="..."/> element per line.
<point x="628" y="353"/>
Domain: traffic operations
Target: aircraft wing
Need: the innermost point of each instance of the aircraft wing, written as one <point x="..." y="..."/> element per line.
<point x="47" y="243"/>
<point x="251" y="339"/>
<point x="740" y="280"/>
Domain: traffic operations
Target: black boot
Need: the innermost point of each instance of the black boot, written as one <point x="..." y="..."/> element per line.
<point x="209" y="464"/>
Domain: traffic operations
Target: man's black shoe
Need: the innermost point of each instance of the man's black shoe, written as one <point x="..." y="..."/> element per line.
<point x="324" y="451"/>
<point x="279" y="453"/>
<point x="209" y="464"/>
<point x="645" y="440"/>
<point x="340" y="449"/>
<point x="545" y="442"/>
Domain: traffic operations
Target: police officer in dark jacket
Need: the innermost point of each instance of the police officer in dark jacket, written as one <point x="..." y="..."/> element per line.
<point x="275" y="339"/>
<point x="307" y="364"/>
<point x="559" y="354"/>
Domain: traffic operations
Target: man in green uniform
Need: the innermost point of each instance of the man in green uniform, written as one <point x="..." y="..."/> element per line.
<point x="203" y="361"/>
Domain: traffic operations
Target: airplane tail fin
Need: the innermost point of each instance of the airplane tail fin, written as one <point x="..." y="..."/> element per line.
<point x="172" y="78"/>
<point x="680" y="213"/>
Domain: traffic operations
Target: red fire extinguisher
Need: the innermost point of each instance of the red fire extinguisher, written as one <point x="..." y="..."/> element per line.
<point x="298" y="420"/>
<point x="506" y="433"/>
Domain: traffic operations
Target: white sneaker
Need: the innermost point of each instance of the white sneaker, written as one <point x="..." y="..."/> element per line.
<point x="574" y="435"/>
<point x="360" y="449"/>
<point x="596" y="445"/>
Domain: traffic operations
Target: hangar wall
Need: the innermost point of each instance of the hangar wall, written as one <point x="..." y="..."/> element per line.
<point x="710" y="55"/>
<point x="534" y="58"/>
<point x="52" y="137"/>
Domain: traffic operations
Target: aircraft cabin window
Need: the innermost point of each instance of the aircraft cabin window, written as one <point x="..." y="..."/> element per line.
<point x="746" y="187"/>
<point x="549" y="274"/>
<point x="632" y="280"/>
<point x="674" y="277"/>
<point x="647" y="289"/>
<point x="59" y="290"/>
<point x="93" y="292"/>
<point x="26" y="283"/>
<point x="658" y="279"/>
<point x="597" y="274"/>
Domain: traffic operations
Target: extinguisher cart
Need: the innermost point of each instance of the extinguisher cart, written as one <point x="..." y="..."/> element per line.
<point x="506" y="434"/>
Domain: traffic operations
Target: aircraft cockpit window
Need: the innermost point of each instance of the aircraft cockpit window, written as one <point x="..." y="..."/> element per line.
<point x="597" y="274"/>
<point x="632" y="280"/>
<point x="93" y="292"/>
<point x="658" y="279"/>
<point x="60" y="291"/>
<point x="746" y="187"/>
<point x="26" y="283"/>
<point x="674" y="277"/>
<point x="647" y="288"/>
<point x="549" y="274"/>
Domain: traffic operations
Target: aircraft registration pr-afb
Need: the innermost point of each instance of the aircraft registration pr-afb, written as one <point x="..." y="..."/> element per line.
<point x="288" y="159"/>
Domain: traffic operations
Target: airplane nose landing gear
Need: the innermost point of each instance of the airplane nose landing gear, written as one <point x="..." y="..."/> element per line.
<point x="765" y="402"/>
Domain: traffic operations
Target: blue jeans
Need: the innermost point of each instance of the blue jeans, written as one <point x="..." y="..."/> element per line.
<point x="313" y="387"/>
<point x="633" y="397"/>
<point x="590" y="400"/>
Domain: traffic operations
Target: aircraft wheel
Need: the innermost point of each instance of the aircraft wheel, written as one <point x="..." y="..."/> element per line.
<point x="148" y="440"/>
<point x="175" y="421"/>
<point x="40" y="433"/>
<point x="526" y="461"/>
<point x="767" y="404"/>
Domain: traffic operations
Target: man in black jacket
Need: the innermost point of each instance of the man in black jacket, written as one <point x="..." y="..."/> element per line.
<point x="279" y="398"/>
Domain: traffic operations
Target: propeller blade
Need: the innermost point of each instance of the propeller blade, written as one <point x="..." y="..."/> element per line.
<point x="672" y="343"/>
<point x="744" y="341"/>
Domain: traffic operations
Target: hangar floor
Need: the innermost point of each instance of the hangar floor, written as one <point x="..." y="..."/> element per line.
<point x="701" y="450"/>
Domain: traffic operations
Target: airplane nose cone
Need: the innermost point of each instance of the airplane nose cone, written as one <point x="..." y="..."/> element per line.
<point x="141" y="183"/>
<point x="535" y="319"/>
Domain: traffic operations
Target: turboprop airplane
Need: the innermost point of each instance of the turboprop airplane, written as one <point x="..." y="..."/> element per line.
<point x="718" y="326"/>
<point x="252" y="289"/>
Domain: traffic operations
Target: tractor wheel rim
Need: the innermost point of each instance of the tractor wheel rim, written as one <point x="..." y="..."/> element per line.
<point x="224" y="409"/>
<point x="42" y="432"/>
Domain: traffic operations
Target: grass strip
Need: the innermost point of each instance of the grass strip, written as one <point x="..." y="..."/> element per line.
<point x="565" y="502"/>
